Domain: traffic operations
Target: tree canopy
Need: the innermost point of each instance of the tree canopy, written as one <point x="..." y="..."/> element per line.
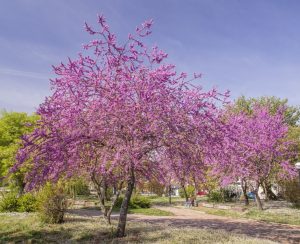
<point x="119" y="114"/>
<point x="291" y="113"/>
<point x="13" y="126"/>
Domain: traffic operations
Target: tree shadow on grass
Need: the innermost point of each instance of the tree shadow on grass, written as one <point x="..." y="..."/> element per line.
<point x="274" y="232"/>
<point x="35" y="236"/>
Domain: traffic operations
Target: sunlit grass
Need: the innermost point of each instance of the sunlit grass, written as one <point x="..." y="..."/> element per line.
<point x="165" y="200"/>
<point x="291" y="217"/>
<point x="27" y="228"/>
<point x="150" y="211"/>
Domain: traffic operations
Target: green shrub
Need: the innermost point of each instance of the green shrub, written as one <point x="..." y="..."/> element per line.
<point x="77" y="187"/>
<point x="135" y="202"/>
<point x="27" y="203"/>
<point x="190" y="191"/>
<point x="291" y="192"/>
<point x="228" y="195"/>
<point x="52" y="203"/>
<point x="119" y="202"/>
<point x="223" y="195"/>
<point x="152" y="197"/>
<point x="9" y="202"/>
<point x="215" y="196"/>
<point x="140" y="202"/>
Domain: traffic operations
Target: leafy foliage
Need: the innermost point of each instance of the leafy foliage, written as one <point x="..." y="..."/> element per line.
<point x="13" y="126"/>
<point x="52" y="203"/>
<point x="136" y="202"/>
<point x="77" y="186"/>
<point x="215" y="196"/>
<point x="9" y="202"/>
<point x="140" y="202"/>
<point x="291" y="191"/>
<point x="222" y="195"/>
<point x="274" y="104"/>
<point x="190" y="191"/>
<point x="28" y="203"/>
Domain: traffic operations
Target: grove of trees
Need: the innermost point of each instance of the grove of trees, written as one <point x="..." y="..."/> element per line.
<point x="120" y="115"/>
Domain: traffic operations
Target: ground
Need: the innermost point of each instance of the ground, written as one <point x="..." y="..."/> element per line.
<point x="184" y="226"/>
<point x="190" y="218"/>
<point x="163" y="223"/>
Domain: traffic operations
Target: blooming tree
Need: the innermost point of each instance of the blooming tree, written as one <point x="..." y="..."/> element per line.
<point x="255" y="148"/>
<point x="119" y="115"/>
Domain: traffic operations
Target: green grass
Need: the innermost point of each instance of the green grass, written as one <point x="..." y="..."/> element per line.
<point x="164" y="201"/>
<point x="86" y="197"/>
<point x="150" y="211"/>
<point x="291" y="217"/>
<point x="26" y="228"/>
<point x="144" y="211"/>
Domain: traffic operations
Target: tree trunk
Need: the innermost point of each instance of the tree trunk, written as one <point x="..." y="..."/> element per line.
<point x="267" y="186"/>
<point x="124" y="207"/>
<point x="185" y="193"/>
<point x="244" y="188"/>
<point x="103" y="208"/>
<point x="105" y="188"/>
<point x="195" y="189"/>
<point x="113" y="203"/>
<point x="101" y="192"/>
<point x="170" y="194"/>
<point x="257" y="198"/>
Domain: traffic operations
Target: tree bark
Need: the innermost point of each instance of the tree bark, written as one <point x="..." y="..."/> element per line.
<point x="185" y="193"/>
<point x="113" y="203"/>
<point x="101" y="192"/>
<point x="257" y="198"/>
<point x="105" y="188"/>
<point x="244" y="188"/>
<point x="124" y="207"/>
<point x="267" y="186"/>
<point x="101" y="196"/>
<point x="170" y="196"/>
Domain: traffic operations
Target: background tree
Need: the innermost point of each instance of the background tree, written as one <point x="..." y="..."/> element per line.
<point x="274" y="104"/>
<point x="13" y="126"/>
<point x="259" y="149"/>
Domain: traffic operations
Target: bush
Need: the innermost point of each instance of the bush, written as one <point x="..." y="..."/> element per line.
<point x="77" y="187"/>
<point x="291" y="192"/>
<point x="228" y="195"/>
<point x="119" y="202"/>
<point x="52" y="203"/>
<point x="223" y="195"/>
<point x="135" y="202"/>
<point x="140" y="202"/>
<point x="215" y="196"/>
<point x="190" y="191"/>
<point x="27" y="203"/>
<point x="9" y="202"/>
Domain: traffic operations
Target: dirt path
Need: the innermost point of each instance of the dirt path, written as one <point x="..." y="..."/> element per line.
<point x="191" y="218"/>
<point x="280" y="233"/>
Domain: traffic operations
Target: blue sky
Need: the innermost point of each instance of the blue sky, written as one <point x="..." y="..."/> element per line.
<point x="249" y="47"/>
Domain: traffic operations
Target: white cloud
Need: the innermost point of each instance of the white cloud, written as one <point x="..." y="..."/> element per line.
<point x="28" y="74"/>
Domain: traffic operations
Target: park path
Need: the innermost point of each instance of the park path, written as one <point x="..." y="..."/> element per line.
<point x="183" y="217"/>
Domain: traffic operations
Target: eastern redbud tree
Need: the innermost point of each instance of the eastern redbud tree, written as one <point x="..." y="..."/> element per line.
<point x="256" y="148"/>
<point x="119" y="114"/>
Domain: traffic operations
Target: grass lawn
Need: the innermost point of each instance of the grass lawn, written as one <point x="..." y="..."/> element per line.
<point x="164" y="201"/>
<point x="27" y="228"/>
<point x="290" y="216"/>
<point x="144" y="211"/>
<point x="150" y="211"/>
